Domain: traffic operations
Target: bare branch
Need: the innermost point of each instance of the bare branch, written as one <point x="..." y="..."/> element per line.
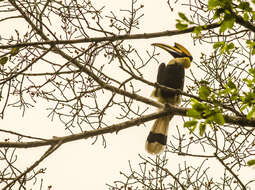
<point x="111" y="38"/>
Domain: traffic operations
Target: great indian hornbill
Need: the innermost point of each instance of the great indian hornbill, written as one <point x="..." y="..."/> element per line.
<point x="170" y="75"/>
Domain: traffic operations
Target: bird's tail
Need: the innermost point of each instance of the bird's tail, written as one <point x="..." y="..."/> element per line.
<point x="156" y="140"/>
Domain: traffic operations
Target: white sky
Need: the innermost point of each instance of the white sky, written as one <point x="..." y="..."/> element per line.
<point x="80" y="165"/>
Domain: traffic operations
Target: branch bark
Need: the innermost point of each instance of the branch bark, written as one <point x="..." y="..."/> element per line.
<point x="240" y="121"/>
<point x="242" y="22"/>
<point x="111" y="38"/>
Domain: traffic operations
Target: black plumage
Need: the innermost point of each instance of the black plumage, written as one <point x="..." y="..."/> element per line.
<point x="171" y="76"/>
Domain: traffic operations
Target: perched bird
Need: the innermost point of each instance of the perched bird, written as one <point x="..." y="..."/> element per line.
<point x="172" y="76"/>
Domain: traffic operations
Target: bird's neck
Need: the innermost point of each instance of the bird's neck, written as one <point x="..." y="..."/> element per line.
<point x="185" y="61"/>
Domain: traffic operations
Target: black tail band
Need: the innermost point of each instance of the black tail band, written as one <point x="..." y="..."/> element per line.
<point x="157" y="137"/>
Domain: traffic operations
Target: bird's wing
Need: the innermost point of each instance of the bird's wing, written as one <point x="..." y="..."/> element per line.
<point x="161" y="73"/>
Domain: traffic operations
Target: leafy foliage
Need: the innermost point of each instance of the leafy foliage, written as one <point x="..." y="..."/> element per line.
<point x="251" y="45"/>
<point x="211" y="112"/>
<point x="205" y="111"/>
<point x="3" y="60"/>
<point x="251" y="162"/>
<point x="14" y="51"/>
<point x="183" y="22"/>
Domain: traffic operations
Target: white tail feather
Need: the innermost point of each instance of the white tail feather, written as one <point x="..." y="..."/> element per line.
<point x="155" y="143"/>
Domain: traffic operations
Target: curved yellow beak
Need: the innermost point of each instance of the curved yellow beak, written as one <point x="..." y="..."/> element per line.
<point x="176" y="51"/>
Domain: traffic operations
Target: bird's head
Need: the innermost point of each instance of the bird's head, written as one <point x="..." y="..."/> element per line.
<point x="177" y="51"/>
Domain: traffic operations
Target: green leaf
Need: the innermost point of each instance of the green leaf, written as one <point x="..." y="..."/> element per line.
<point x="227" y="12"/>
<point x="194" y="113"/>
<point x="212" y="4"/>
<point x="251" y="45"/>
<point x="181" y="26"/>
<point x="3" y="60"/>
<point x="245" y="16"/>
<point x="249" y="99"/>
<point x="204" y="92"/>
<point x="218" y="45"/>
<point x="204" y="82"/>
<point x="245" y="6"/>
<point x="200" y="107"/>
<point x="183" y="16"/>
<point x="244" y="107"/>
<point x="251" y="163"/>
<point x="249" y="82"/>
<point x="218" y="13"/>
<point x="197" y="30"/>
<point x="251" y="114"/>
<point x="14" y="51"/>
<point x="224" y="47"/>
<point x="230" y="46"/>
<point x="202" y="128"/>
<point x="230" y="84"/>
<point x="189" y="124"/>
<point x="252" y="71"/>
<point x="235" y="96"/>
<point x="218" y="118"/>
<point x="253" y="15"/>
<point x="227" y="23"/>
<point x="253" y="51"/>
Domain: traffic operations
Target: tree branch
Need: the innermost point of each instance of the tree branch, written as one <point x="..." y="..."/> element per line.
<point x="45" y="155"/>
<point x="243" y="23"/>
<point x="112" y="38"/>
<point x="233" y="173"/>
<point x="171" y="110"/>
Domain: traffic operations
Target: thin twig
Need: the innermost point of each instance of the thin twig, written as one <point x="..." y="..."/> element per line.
<point x="36" y="163"/>
<point x="111" y="38"/>
<point x="233" y="173"/>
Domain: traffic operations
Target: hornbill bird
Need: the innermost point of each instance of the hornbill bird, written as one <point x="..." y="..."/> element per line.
<point x="172" y="76"/>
